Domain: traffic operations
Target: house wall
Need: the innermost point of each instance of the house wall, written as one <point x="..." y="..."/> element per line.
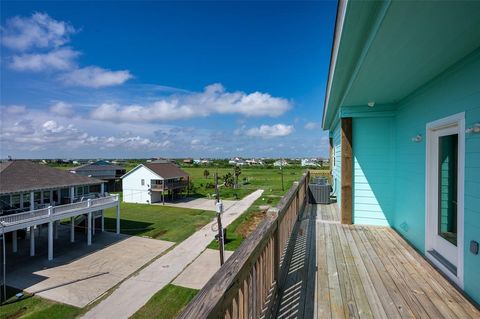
<point x="457" y="90"/>
<point x="133" y="191"/>
<point x="373" y="167"/>
<point x="337" y="165"/>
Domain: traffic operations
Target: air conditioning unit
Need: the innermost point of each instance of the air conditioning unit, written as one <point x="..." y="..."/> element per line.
<point x="319" y="193"/>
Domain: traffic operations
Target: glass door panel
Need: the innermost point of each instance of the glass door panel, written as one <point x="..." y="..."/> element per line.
<point x="447" y="187"/>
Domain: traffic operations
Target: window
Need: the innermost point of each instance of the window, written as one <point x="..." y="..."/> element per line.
<point x="143" y="182"/>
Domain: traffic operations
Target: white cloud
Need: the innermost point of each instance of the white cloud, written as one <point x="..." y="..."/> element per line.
<point x="312" y="125"/>
<point x="37" y="31"/>
<point x="14" y="109"/>
<point x="213" y="100"/>
<point x="31" y="135"/>
<point x="44" y="38"/>
<point x="62" y="109"/>
<point x="95" y="77"/>
<point x="58" y="59"/>
<point x="267" y="131"/>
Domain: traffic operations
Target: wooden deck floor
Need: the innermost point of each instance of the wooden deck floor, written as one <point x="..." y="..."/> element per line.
<point x="362" y="272"/>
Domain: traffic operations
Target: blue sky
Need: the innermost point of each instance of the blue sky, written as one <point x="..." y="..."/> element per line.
<point x="171" y="79"/>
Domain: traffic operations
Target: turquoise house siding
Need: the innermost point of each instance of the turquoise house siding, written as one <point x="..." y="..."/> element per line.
<point x="373" y="167"/>
<point x="457" y="90"/>
<point x="337" y="165"/>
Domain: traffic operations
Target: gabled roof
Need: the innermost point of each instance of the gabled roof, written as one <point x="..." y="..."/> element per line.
<point x="98" y="166"/>
<point x="24" y="176"/>
<point x="385" y="51"/>
<point x="163" y="170"/>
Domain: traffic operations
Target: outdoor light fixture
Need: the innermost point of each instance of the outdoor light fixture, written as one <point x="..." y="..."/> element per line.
<point x="474" y="129"/>
<point x="371" y="104"/>
<point x="417" y="139"/>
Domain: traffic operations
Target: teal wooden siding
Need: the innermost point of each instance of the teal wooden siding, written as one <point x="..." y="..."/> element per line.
<point x="456" y="91"/>
<point x="337" y="165"/>
<point x="374" y="167"/>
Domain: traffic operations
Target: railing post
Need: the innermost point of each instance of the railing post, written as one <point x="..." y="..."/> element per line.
<point x="273" y="213"/>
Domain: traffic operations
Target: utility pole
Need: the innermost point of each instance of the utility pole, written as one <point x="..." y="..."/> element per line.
<point x="281" y="172"/>
<point x="219" y="209"/>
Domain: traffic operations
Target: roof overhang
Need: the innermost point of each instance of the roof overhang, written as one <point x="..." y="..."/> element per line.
<point x="383" y="51"/>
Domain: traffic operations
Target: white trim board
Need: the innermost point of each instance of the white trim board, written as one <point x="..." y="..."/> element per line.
<point x="456" y="120"/>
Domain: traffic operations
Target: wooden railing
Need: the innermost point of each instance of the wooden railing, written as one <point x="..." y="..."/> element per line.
<point x="246" y="285"/>
<point x="169" y="185"/>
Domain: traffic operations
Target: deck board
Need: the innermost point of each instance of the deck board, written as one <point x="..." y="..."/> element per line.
<point x="364" y="272"/>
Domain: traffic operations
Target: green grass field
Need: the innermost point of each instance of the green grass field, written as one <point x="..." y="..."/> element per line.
<point x="166" y="303"/>
<point x="270" y="181"/>
<point x="250" y="179"/>
<point x="156" y="221"/>
<point x="34" y="307"/>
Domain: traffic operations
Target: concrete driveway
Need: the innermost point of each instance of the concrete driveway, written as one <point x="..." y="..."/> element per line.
<point x="198" y="203"/>
<point x="199" y="272"/>
<point x="80" y="274"/>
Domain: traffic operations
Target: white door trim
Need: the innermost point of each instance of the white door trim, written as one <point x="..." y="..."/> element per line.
<point x="431" y="188"/>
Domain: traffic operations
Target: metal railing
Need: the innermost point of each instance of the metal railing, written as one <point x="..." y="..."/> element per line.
<point x="16" y="218"/>
<point x="12" y="219"/>
<point x="246" y="285"/>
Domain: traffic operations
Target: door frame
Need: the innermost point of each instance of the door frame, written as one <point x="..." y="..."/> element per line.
<point x="431" y="192"/>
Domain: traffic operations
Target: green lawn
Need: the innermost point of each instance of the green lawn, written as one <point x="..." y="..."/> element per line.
<point x="34" y="307"/>
<point x="156" y="221"/>
<point x="251" y="179"/>
<point x="166" y="303"/>
<point x="270" y="181"/>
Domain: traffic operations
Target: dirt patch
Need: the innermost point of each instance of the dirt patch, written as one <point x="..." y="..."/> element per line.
<point x="250" y="224"/>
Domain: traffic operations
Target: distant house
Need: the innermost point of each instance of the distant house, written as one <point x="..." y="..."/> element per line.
<point x="279" y="163"/>
<point x="309" y="162"/>
<point x="149" y="183"/>
<point x="237" y="161"/>
<point x="188" y="161"/>
<point x="106" y="171"/>
<point x="253" y="162"/>
<point x="201" y="161"/>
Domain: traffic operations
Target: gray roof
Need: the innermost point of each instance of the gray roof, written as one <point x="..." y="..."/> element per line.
<point x="24" y="176"/>
<point x="166" y="170"/>
<point x="98" y="166"/>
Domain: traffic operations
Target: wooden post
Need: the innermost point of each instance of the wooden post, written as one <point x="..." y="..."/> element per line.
<point x="330" y="163"/>
<point x="347" y="168"/>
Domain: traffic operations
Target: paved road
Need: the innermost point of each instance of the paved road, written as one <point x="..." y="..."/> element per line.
<point x="133" y="293"/>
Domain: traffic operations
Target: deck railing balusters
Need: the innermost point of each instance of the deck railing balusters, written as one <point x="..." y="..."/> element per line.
<point x="246" y="285"/>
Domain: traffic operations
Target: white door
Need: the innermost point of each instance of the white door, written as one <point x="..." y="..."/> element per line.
<point x="444" y="228"/>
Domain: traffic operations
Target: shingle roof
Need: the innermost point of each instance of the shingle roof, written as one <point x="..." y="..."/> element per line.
<point x="166" y="170"/>
<point x="24" y="176"/>
<point x="97" y="167"/>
